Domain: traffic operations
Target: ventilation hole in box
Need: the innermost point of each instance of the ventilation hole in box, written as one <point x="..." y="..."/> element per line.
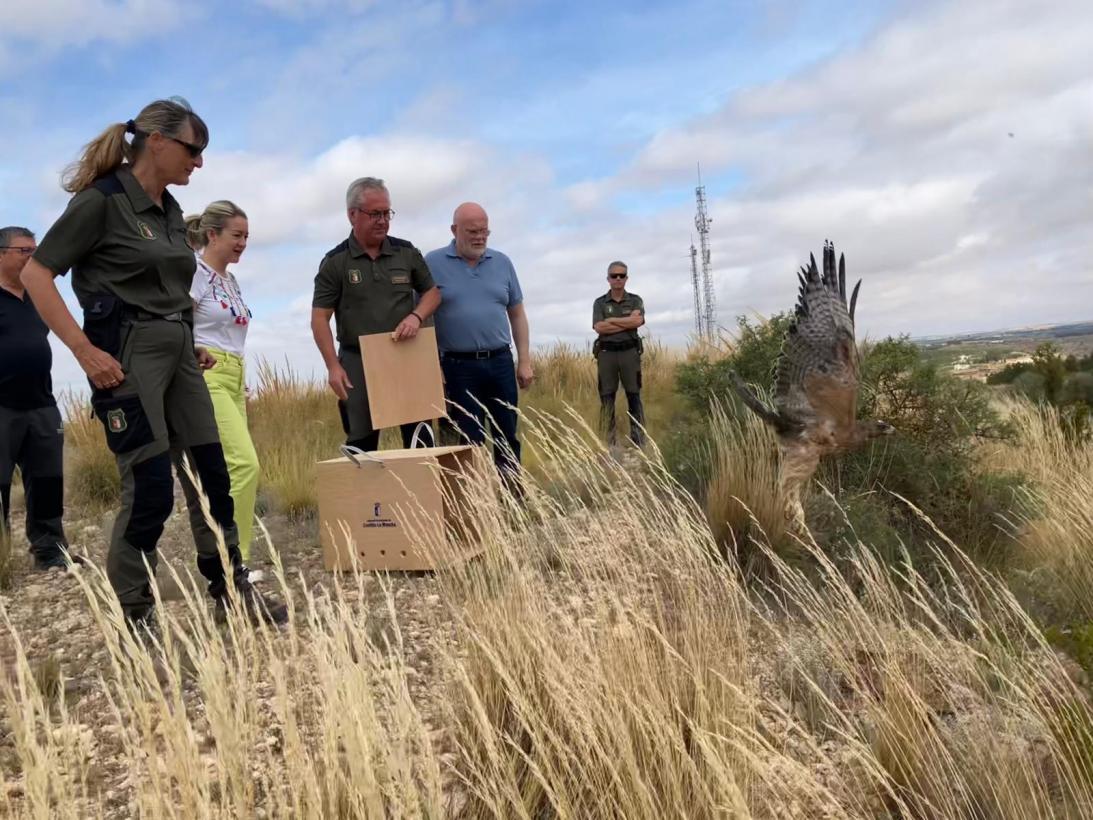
<point x="383" y="552"/>
<point x="404" y="553"/>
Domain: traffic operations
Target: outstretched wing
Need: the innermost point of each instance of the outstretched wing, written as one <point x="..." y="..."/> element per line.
<point x="816" y="381"/>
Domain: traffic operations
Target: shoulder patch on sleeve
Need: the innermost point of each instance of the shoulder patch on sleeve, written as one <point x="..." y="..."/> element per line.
<point x="108" y="185"/>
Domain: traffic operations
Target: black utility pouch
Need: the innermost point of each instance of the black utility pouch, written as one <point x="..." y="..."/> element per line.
<point x="641" y="346"/>
<point x="127" y="427"/>
<point x="596" y="348"/>
<point x="102" y="322"/>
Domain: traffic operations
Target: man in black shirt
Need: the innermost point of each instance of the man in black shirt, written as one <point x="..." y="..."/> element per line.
<point x="31" y="431"/>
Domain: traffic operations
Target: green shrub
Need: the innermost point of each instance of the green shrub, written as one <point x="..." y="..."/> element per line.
<point x="754" y="354"/>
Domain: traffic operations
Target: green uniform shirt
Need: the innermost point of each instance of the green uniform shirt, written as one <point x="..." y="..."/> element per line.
<point x="607" y="308"/>
<point x="116" y="240"/>
<point x="370" y="295"/>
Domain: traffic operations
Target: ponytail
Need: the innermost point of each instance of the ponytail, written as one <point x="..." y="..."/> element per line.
<point x="110" y="149"/>
<point x="197" y="238"/>
<point x="102" y="155"/>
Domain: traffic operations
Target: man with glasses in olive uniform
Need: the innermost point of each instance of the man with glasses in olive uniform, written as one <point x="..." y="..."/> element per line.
<point x="367" y="283"/>
<point x="616" y="317"/>
<point x="31" y="431"/>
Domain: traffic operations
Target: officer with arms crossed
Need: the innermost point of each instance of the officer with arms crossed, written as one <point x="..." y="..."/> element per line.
<point x="31" y="433"/>
<point x="367" y="283"/>
<point x="616" y="317"/>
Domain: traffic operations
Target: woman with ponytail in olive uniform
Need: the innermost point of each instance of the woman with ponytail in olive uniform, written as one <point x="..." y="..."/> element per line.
<point x="124" y="238"/>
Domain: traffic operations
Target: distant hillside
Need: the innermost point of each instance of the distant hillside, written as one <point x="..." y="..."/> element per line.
<point x="1037" y="332"/>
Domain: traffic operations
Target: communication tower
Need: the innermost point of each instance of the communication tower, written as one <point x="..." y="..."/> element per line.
<point x="709" y="299"/>
<point x="696" y="288"/>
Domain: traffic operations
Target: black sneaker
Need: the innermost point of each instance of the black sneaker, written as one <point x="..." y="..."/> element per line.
<point x="58" y="561"/>
<point x="258" y="607"/>
<point x="144" y="626"/>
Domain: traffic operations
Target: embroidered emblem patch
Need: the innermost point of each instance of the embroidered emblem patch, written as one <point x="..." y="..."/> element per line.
<point x="354" y="277"/>
<point x="145" y="231"/>
<point x="115" y="421"/>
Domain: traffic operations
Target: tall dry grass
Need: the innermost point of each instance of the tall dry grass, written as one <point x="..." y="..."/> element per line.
<point x="745" y="503"/>
<point x="92" y="483"/>
<point x="1055" y="521"/>
<point x="597" y="661"/>
<point x="294" y="422"/>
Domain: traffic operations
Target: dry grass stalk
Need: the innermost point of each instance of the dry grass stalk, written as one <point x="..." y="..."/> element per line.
<point x="604" y="663"/>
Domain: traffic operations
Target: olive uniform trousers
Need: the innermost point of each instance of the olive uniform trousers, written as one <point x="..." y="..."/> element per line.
<point x="614" y="366"/>
<point x="161" y="411"/>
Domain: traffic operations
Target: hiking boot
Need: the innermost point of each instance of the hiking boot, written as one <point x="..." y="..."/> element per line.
<point x="257" y="607"/>
<point x="144" y="626"/>
<point x="58" y="560"/>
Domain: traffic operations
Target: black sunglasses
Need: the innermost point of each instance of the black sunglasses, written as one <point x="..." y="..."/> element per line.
<point x="616" y="276"/>
<point x="194" y="150"/>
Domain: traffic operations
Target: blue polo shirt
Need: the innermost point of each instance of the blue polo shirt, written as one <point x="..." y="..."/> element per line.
<point x="474" y="305"/>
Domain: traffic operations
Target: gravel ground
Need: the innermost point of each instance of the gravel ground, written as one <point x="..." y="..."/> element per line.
<point x="50" y="615"/>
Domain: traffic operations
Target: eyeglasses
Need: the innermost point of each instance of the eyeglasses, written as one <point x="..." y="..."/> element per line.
<point x="18" y="249"/>
<point x="194" y="150"/>
<point x="377" y="216"/>
<point x="616" y="276"/>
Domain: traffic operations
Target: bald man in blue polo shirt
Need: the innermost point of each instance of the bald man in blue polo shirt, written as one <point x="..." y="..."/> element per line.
<point x="481" y="313"/>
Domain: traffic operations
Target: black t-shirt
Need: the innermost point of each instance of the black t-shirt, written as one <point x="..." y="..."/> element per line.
<point x="25" y="356"/>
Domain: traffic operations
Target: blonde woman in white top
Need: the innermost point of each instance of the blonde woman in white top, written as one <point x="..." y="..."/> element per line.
<point x="221" y="318"/>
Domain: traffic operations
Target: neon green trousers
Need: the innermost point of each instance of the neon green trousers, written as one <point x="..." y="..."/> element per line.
<point x="227" y="388"/>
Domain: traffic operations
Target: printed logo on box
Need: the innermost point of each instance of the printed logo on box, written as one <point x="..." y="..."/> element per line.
<point x="377" y="519"/>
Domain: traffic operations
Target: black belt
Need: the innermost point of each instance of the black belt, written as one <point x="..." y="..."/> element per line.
<point x="617" y="347"/>
<point x="136" y="314"/>
<point x="476" y="354"/>
<point x="356" y="348"/>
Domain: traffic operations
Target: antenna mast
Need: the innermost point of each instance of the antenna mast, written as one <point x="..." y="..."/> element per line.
<point x="708" y="324"/>
<point x="696" y="288"/>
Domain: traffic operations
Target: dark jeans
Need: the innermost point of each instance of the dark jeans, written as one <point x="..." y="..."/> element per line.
<point x="33" y="440"/>
<point x="480" y="386"/>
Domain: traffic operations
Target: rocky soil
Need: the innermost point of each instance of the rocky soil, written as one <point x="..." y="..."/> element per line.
<point x="49" y="614"/>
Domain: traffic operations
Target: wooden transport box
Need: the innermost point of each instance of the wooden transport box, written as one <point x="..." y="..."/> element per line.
<point x="379" y="498"/>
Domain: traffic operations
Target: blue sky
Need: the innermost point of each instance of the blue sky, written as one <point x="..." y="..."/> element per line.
<point x="883" y="125"/>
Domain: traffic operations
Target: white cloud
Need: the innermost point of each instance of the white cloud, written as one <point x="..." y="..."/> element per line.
<point x="899" y="150"/>
<point x="35" y="29"/>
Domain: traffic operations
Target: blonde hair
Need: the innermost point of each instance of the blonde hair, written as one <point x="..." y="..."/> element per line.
<point x="213" y="218"/>
<point x="109" y="150"/>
